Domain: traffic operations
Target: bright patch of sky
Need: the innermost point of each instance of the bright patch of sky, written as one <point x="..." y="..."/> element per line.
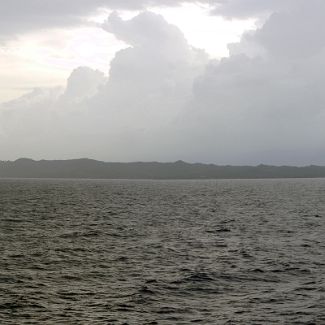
<point x="47" y="57"/>
<point x="205" y="31"/>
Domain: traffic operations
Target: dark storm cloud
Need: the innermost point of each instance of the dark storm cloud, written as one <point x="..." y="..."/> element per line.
<point x="17" y="16"/>
<point x="250" y="8"/>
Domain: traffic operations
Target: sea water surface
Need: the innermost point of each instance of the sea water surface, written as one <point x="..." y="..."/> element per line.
<point x="162" y="252"/>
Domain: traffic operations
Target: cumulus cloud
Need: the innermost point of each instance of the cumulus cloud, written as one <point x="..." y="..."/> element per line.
<point x="149" y="83"/>
<point x="296" y="32"/>
<point x="265" y="102"/>
<point x="156" y="71"/>
<point x="83" y="83"/>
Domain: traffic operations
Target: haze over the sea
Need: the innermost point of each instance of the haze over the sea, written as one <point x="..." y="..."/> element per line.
<point x="93" y="169"/>
<point x="228" y="82"/>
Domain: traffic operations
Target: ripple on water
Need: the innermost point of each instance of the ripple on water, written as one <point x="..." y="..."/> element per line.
<point x="162" y="252"/>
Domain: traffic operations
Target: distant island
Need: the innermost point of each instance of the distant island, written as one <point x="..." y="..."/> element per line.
<point x="93" y="169"/>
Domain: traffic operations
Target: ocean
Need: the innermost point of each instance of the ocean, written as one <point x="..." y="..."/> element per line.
<point x="162" y="252"/>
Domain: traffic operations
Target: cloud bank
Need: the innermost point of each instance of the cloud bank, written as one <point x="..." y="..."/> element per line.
<point x="165" y="100"/>
<point x="149" y="84"/>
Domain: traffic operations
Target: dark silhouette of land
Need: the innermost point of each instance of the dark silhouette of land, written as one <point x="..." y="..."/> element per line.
<point x="87" y="168"/>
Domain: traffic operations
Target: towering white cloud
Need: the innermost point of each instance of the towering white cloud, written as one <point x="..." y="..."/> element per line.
<point x="154" y="76"/>
<point x="83" y="83"/>
<point x="265" y="102"/>
<point x="149" y="84"/>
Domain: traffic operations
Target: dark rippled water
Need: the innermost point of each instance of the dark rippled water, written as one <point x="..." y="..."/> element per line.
<point x="162" y="252"/>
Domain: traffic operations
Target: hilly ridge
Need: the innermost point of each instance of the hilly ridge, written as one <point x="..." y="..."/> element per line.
<point x="88" y="168"/>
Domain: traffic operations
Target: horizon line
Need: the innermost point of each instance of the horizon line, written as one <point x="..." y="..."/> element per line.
<point x="162" y="162"/>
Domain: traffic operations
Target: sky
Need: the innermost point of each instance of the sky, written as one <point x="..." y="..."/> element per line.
<point x="216" y="81"/>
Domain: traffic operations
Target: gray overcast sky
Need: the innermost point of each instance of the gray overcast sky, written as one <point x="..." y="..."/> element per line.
<point x="145" y="85"/>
